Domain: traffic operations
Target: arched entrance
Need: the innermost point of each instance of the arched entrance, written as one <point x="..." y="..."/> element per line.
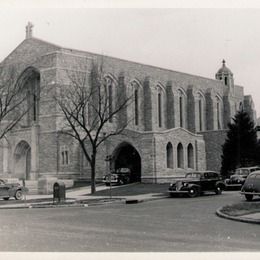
<point x="22" y="160"/>
<point x="126" y="156"/>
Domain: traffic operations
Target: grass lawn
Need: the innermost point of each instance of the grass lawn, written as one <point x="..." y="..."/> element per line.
<point x="242" y="208"/>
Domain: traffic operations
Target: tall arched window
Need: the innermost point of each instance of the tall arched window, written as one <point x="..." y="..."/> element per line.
<point x="226" y="80"/>
<point x="182" y="105"/>
<point x="190" y="156"/>
<point x="219" y="111"/>
<point x="200" y="115"/>
<point x="169" y="154"/>
<point x="181" y="110"/>
<point x="110" y="93"/>
<point x="110" y="102"/>
<point x="180" y="157"/>
<point x="160" y="109"/>
<point x="200" y="126"/>
<point x="136" y="108"/>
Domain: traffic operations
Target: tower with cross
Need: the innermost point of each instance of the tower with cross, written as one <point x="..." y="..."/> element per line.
<point x="29" y="32"/>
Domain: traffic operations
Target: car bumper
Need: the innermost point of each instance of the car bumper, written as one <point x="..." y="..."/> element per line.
<point x="233" y="184"/>
<point x="250" y="193"/>
<point x="112" y="181"/>
<point x="178" y="192"/>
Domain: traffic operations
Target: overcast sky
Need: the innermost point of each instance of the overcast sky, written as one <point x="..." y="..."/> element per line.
<point x="193" y="41"/>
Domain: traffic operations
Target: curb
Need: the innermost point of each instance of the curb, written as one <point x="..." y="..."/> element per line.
<point x="68" y="205"/>
<point x="134" y="201"/>
<point x="79" y="205"/>
<point x="240" y="219"/>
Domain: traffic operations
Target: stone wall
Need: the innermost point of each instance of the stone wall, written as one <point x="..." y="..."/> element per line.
<point x="213" y="144"/>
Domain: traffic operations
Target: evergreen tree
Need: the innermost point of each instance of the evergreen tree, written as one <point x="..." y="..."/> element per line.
<point x="241" y="146"/>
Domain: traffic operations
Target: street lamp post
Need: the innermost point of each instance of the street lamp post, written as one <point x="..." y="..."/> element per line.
<point x="108" y="160"/>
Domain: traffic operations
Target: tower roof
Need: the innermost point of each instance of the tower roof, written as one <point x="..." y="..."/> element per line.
<point x="224" y="69"/>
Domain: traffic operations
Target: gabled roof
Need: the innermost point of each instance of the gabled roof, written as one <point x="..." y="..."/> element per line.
<point x="30" y="49"/>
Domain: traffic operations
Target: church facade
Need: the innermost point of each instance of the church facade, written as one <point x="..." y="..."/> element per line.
<point x="179" y="120"/>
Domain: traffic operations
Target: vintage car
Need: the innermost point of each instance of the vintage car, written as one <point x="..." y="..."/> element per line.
<point x="195" y="183"/>
<point x="8" y="190"/>
<point x="240" y="175"/>
<point x="119" y="177"/>
<point x="251" y="186"/>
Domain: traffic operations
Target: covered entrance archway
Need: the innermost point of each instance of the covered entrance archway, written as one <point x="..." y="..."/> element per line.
<point x="126" y="156"/>
<point x="22" y="160"/>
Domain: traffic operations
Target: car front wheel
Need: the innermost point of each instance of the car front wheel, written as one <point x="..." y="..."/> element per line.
<point x="18" y="195"/>
<point x="249" y="197"/>
<point x="193" y="192"/>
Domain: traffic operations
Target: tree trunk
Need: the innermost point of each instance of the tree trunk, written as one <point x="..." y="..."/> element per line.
<point x="93" y="174"/>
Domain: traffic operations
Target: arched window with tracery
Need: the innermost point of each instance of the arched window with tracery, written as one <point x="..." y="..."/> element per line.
<point x="110" y="102"/>
<point x="219" y="113"/>
<point x="180" y="156"/>
<point x="160" y="105"/>
<point x="169" y="155"/>
<point x="160" y="109"/>
<point x="110" y="95"/>
<point x="182" y="110"/>
<point x="135" y="110"/>
<point x="201" y="112"/>
<point x="190" y="156"/>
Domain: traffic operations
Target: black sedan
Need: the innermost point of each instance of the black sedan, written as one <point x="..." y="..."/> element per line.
<point x="240" y="175"/>
<point x="251" y="186"/>
<point x="119" y="177"/>
<point x="195" y="183"/>
<point x="8" y="190"/>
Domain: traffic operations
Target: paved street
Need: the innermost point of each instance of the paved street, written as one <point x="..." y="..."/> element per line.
<point x="171" y="224"/>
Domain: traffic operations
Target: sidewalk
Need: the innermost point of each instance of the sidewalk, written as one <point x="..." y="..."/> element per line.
<point x="82" y="197"/>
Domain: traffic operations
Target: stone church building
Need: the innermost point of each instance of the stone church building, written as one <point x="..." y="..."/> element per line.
<point x="179" y="124"/>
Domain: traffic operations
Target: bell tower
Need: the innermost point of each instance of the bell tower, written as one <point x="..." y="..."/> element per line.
<point x="226" y="76"/>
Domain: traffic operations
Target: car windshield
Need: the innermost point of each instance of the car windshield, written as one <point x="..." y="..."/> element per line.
<point x="242" y="172"/>
<point x="193" y="175"/>
<point x="122" y="173"/>
<point x="254" y="169"/>
<point x="123" y="170"/>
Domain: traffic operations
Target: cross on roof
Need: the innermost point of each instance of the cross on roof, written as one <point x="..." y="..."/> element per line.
<point x="29" y="27"/>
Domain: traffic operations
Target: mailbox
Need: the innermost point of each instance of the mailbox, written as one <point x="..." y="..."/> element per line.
<point x="59" y="192"/>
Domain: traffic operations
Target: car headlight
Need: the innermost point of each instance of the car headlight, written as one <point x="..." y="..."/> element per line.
<point x="185" y="184"/>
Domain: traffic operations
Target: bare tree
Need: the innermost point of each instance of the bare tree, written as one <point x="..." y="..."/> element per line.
<point x="12" y="100"/>
<point x="88" y="110"/>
